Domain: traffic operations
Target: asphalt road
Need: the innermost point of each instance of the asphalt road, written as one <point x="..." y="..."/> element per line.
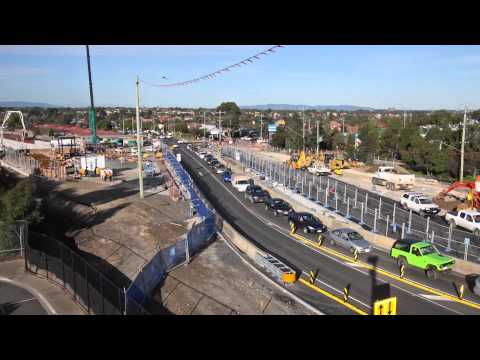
<point x="334" y="273"/>
<point x="17" y="301"/>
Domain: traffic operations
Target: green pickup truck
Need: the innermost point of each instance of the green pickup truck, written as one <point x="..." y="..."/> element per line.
<point x="422" y="255"/>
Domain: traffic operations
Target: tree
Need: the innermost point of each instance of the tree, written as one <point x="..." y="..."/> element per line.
<point x="279" y="138"/>
<point x="369" y="136"/>
<point x="232" y="114"/>
<point x="293" y="129"/>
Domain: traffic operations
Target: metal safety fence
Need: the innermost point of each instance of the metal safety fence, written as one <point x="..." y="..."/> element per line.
<point x="199" y="236"/>
<point x="12" y="239"/>
<point x="18" y="160"/>
<point x="369" y="209"/>
<point x="90" y="288"/>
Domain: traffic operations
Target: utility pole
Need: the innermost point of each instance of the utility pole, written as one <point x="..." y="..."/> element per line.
<point x="462" y="154"/>
<point x="404" y="118"/>
<point x="139" y="143"/>
<point x="318" y="135"/>
<point x="204" y="128"/>
<point x="343" y="125"/>
<point x="261" y="126"/>
<point x="303" y="129"/>
<point x="123" y="126"/>
<point x="220" y="124"/>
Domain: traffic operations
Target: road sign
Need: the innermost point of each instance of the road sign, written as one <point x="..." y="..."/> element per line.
<point x="385" y="307"/>
<point x="272" y="128"/>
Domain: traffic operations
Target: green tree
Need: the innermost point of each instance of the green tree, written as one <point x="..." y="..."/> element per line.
<point x="232" y="114"/>
<point x="293" y="139"/>
<point x="279" y="138"/>
<point x="369" y="136"/>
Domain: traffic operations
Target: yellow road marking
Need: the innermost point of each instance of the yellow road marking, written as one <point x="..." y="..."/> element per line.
<point x="387" y="273"/>
<point x="333" y="297"/>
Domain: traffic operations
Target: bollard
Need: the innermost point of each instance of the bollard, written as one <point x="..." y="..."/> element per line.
<point x="312" y="277"/>
<point x="410" y="222"/>
<point x="348" y="208"/>
<point x="375" y="222"/>
<point x="361" y="215"/>
<point x="321" y="238"/>
<point x="403" y="231"/>
<point x="292" y="228"/>
<point x="356" y="193"/>
<point x="346" y="292"/>
<point x="402" y="271"/>
<point x="386" y="227"/>
<point x="355" y="255"/>
<point x="428" y="225"/>
<point x="461" y="290"/>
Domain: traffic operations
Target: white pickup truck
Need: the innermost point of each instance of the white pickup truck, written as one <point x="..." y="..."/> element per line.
<point x="419" y="203"/>
<point x="390" y="177"/>
<point x="319" y="170"/>
<point x="466" y="219"/>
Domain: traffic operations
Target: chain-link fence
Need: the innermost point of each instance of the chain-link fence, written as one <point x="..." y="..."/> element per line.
<point x="379" y="214"/>
<point x="12" y="239"/>
<point x="90" y="288"/>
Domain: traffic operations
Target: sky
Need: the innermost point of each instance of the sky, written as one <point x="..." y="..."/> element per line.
<point x="401" y="77"/>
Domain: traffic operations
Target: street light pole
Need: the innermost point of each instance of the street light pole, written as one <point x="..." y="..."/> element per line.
<point x="462" y="153"/>
<point x="318" y="135"/>
<point x="139" y="144"/>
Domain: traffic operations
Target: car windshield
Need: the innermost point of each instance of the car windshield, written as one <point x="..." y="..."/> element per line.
<point x="428" y="250"/>
<point x="258" y="192"/>
<point x="354" y="236"/>
<point x="476" y="218"/>
<point x="425" y="201"/>
<point x="310" y="218"/>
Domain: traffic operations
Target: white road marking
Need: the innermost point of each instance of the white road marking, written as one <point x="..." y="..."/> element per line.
<point x="435" y="297"/>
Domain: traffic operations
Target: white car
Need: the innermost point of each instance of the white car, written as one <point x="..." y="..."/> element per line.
<point x="419" y="203"/>
<point x="319" y="170"/>
<point x="467" y="219"/>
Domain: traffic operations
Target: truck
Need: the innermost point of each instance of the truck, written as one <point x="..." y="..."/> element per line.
<point x="421" y="255"/>
<point x="419" y="203"/>
<point x="390" y="177"/>
<point x="467" y="219"/>
<point x="319" y="170"/>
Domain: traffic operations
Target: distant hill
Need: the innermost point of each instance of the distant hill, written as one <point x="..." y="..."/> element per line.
<point x="306" y="107"/>
<point x="23" y="104"/>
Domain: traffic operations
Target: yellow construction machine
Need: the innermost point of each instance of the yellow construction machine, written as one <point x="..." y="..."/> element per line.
<point x="301" y="161"/>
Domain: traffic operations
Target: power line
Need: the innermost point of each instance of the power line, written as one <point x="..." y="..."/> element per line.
<point x="212" y="75"/>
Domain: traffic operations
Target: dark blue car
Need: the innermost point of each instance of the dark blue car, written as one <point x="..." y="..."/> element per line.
<point x="227" y="176"/>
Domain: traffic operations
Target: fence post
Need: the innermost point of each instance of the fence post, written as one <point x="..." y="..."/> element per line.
<point x="403" y="231"/>
<point x="394" y="210"/>
<point x="465" y="254"/>
<point x="375" y="222"/>
<point x="410" y="222"/>
<point x="450" y="233"/>
<point x="187" y="252"/>
<point x="386" y="227"/>
<point x="348" y="208"/>
<point x="433" y="237"/>
<point x="309" y="189"/>
<point x="345" y="194"/>
<point x="356" y="193"/>
<point x="428" y="224"/>
<point x="289" y="177"/>
<point x="320" y="182"/>
<point x="361" y="214"/>
<point x="380" y="208"/>
<point x="318" y="189"/>
<point x="336" y="202"/>
<point x="326" y="197"/>
<point x="124" y="301"/>
<point x="366" y="201"/>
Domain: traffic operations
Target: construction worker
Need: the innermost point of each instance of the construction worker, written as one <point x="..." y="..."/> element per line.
<point x="470" y="199"/>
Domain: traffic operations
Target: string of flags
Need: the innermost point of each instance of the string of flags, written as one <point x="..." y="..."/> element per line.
<point x="212" y="75"/>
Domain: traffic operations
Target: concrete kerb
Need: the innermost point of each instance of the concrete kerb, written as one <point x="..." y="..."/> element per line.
<point x="237" y="242"/>
<point x="333" y="220"/>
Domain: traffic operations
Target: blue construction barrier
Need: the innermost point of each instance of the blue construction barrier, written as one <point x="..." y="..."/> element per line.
<point x="166" y="259"/>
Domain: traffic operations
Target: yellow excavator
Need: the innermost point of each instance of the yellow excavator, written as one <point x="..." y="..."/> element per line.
<point x="300" y="162"/>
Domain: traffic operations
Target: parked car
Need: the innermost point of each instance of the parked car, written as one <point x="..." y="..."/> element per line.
<point x="307" y="222"/>
<point x="422" y="255"/>
<point x="466" y="219"/>
<point x="319" y="170"/>
<point x="240" y="182"/>
<point x="250" y="188"/>
<point x="220" y="168"/>
<point x="349" y="239"/>
<point x="419" y="204"/>
<point x="278" y="206"/>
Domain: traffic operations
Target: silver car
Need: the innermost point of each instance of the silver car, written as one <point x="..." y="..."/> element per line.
<point x="349" y="239"/>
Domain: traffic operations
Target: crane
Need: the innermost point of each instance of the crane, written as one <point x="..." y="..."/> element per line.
<point x="5" y="119"/>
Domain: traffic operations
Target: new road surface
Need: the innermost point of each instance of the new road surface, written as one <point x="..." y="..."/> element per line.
<point x="372" y="277"/>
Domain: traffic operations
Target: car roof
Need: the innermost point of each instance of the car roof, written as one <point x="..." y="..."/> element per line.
<point x="304" y="213"/>
<point x="344" y="230"/>
<point x="470" y="212"/>
<point x="414" y="241"/>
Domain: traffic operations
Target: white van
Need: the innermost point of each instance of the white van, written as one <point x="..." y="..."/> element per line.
<point x="240" y="182"/>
